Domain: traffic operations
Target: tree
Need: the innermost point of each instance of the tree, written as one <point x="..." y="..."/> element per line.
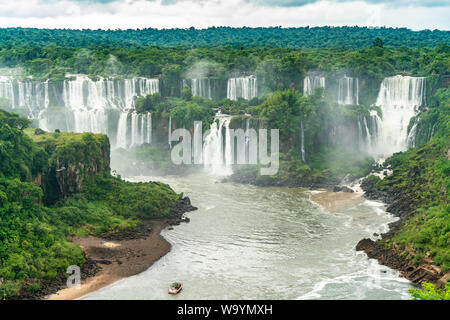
<point x="429" y="292"/>
<point x="377" y="42"/>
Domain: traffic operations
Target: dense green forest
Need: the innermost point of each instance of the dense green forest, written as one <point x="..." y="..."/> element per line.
<point x="40" y="209"/>
<point x="277" y="37"/>
<point x="276" y="68"/>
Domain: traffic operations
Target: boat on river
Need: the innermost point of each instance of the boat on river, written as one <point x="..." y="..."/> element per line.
<point x="175" y="288"/>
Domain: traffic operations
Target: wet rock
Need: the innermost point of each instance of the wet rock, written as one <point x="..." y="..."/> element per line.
<point x="391" y="258"/>
<point x="342" y="189"/>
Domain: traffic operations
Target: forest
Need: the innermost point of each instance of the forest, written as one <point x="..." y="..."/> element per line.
<point x="276" y="37"/>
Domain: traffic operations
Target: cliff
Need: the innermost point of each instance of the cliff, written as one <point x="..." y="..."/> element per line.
<point x="73" y="159"/>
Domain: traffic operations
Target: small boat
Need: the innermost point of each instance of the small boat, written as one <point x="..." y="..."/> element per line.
<point x="175" y="287"/>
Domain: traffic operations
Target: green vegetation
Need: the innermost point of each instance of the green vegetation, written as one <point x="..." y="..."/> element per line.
<point x="328" y="157"/>
<point x="429" y="292"/>
<point x="421" y="181"/>
<point x="56" y="186"/>
<point x="304" y="37"/>
<point x="276" y="68"/>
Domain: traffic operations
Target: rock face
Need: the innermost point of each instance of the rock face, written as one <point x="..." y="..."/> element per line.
<point x="70" y="173"/>
<point x="425" y="271"/>
<point x="183" y="205"/>
<point x="342" y="189"/>
<point x="72" y="160"/>
<point x="400" y="204"/>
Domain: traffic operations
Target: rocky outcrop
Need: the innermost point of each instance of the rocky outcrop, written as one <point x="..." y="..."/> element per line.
<point x="425" y="271"/>
<point x="342" y="189"/>
<point x="73" y="160"/>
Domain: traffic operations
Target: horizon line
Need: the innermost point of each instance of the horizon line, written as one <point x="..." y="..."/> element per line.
<point x="223" y="27"/>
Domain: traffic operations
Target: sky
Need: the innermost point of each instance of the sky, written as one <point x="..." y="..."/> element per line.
<point x="124" y="14"/>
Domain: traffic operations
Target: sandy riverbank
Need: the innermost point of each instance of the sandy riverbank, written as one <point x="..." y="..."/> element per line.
<point x="333" y="201"/>
<point x="118" y="259"/>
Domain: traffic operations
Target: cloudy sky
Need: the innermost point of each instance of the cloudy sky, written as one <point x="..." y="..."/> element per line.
<point x="113" y="14"/>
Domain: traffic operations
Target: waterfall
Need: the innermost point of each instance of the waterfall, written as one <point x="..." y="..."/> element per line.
<point x="217" y="157"/>
<point x="312" y="82"/>
<point x="88" y="103"/>
<point x="247" y="140"/>
<point x="399" y="98"/>
<point x="169" y="129"/>
<point x="133" y="132"/>
<point x="411" y="138"/>
<point x="121" y="141"/>
<point x="84" y="94"/>
<point x="365" y="139"/>
<point x="6" y="89"/>
<point x="302" y="142"/>
<point x="202" y="87"/>
<point x="242" y="87"/>
<point x="348" y="91"/>
<point x="33" y="96"/>
<point x="149" y="128"/>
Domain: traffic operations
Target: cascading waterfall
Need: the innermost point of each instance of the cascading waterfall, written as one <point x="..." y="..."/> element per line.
<point x="242" y="87"/>
<point x="88" y="102"/>
<point x="121" y="141"/>
<point x="411" y="138"/>
<point x="302" y="142"/>
<point x="247" y="140"/>
<point x="399" y="98"/>
<point x="134" y="129"/>
<point x="33" y="96"/>
<point x="202" y="87"/>
<point x="312" y="82"/>
<point x="348" y="91"/>
<point x="169" y="129"/>
<point x="217" y="155"/>
<point x="365" y="138"/>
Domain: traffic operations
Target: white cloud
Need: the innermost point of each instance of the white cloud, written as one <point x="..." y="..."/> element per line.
<point x="201" y="14"/>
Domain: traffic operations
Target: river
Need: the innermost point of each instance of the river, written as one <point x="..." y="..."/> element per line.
<point x="247" y="242"/>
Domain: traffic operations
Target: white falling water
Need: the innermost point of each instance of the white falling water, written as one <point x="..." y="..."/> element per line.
<point x="6" y="89"/>
<point x="88" y="101"/>
<point x="399" y="98"/>
<point x="411" y="138"/>
<point x="134" y="129"/>
<point x="364" y="135"/>
<point x="121" y="141"/>
<point x="302" y="142"/>
<point x="348" y="91"/>
<point x="312" y="82"/>
<point x="169" y="129"/>
<point x="242" y="87"/>
<point x="33" y="96"/>
<point x="247" y="140"/>
<point x="217" y="155"/>
<point x="201" y="87"/>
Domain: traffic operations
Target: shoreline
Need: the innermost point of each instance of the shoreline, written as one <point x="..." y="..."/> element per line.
<point x="393" y="257"/>
<point x="425" y="271"/>
<point x="124" y="257"/>
<point x="118" y="259"/>
<point x="121" y="255"/>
